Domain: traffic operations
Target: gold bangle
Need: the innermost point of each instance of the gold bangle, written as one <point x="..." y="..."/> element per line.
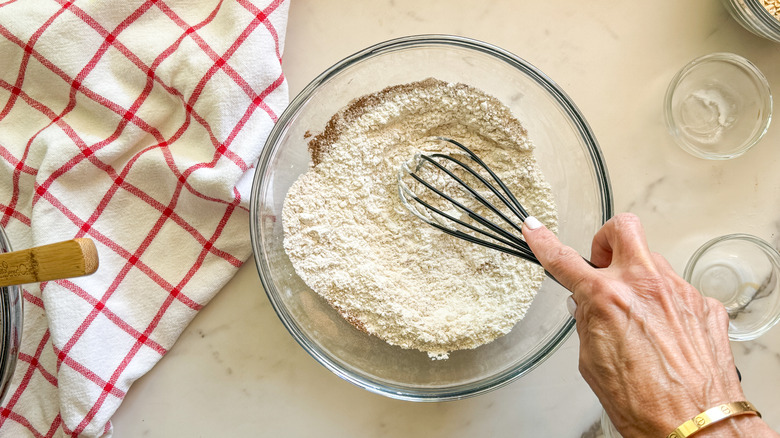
<point x="712" y="416"/>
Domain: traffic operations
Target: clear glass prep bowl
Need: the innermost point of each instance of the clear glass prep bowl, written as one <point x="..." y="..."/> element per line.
<point x="10" y="325"/>
<point x="741" y="271"/>
<point x="718" y="106"/>
<point x="567" y="152"/>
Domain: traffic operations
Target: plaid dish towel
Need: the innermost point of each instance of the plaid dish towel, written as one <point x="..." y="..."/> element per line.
<point x="136" y="124"/>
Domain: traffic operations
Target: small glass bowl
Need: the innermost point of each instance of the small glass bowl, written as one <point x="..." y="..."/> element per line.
<point x="10" y="325"/>
<point x="742" y="272"/>
<point x="718" y="106"/>
<point x="753" y="16"/>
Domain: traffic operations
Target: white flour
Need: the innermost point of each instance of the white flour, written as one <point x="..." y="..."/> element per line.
<point x="352" y="241"/>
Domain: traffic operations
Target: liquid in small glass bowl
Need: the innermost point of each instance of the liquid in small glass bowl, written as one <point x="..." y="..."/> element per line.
<point x="718" y="106"/>
<point x="742" y="272"/>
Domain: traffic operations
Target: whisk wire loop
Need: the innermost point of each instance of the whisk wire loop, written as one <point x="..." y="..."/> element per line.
<point x="473" y="192"/>
<point x="517" y="246"/>
<point x="496" y="236"/>
<point x="462" y="207"/>
<point x="513" y="201"/>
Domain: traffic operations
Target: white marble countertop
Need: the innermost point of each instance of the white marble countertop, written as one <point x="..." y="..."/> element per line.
<point x="237" y="372"/>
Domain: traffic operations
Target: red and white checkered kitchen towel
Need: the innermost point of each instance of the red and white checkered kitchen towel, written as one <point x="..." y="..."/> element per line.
<point x="137" y="124"/>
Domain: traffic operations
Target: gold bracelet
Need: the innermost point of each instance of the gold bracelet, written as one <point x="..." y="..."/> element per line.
<point x="712" y="416"/>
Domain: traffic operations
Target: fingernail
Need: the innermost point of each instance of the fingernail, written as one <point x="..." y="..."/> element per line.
<point x="532" y="222"/>
<point x="571" y="305"/>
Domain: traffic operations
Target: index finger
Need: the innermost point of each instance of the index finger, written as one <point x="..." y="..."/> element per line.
<point x="564" y="263"/>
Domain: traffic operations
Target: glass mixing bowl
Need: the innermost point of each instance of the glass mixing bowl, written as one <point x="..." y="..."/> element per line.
<point x="566" y="151"/>
<point x="10" y="325"/>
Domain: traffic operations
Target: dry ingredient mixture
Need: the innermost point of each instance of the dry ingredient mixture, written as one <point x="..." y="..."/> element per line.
<point x="351" y="240"/>
<point x="773" y="6"/>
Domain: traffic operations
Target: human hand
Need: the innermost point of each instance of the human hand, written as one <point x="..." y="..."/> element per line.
<point x="652" y="348"/>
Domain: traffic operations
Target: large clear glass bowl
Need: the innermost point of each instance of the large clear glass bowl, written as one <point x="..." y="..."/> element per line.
<point x="567" y="153"/>
<point x="10" y="325"/>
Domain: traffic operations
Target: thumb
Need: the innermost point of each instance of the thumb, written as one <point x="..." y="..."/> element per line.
<point x="561" y="261"/>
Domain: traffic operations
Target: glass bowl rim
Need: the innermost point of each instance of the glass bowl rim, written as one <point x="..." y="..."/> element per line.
<point x="753" y="16"/>
<point x="749" y="68"/>
<point x="762" y="14"/>
<point x="453" y="392"/>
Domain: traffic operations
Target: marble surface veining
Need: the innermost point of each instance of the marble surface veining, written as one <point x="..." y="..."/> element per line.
<point x="237" y="372"/>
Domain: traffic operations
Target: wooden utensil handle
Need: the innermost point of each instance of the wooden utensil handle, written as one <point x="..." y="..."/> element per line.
<point x="71" y="258"/>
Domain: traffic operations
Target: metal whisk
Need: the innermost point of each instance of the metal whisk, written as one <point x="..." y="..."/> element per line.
<point x="497" y="225"/>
